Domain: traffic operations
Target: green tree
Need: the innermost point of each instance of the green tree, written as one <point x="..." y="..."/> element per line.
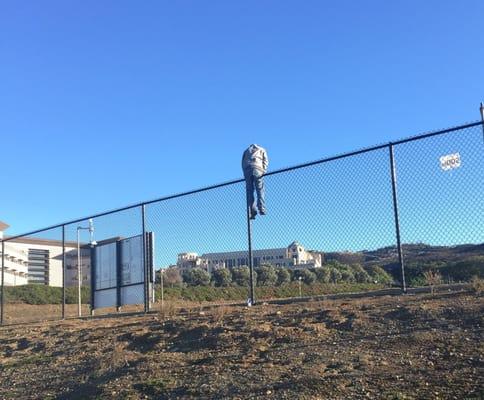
<point x="347" y="276"/>
<point x="379" y="275"/>
<point x="308" y="277"/>
<point x="171" y="277"/>
<point x="465" y="270"/>
<point x="197" y="277"/>
<point x="336" y="264"/>
<point x="221" y="277"/>
<point x="283" y="276"/>
<point x="266" y="275"/>
<point x="241" y="276"/>
<point x="361" y="275"/>
<point x="335" y="275"/>
<point x="323" y="274"/>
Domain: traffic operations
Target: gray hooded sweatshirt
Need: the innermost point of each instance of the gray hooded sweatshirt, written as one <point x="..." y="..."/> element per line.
<point x="255" y="157"/>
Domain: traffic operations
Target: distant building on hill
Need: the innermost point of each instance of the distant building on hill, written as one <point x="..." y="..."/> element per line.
<point x="292" y="256"/>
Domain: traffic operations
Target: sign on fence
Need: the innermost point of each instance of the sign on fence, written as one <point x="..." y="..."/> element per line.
<point x="450" y="161"/>
<point x="118" y="272"/>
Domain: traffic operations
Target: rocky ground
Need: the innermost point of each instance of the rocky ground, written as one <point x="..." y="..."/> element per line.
<point x="393" y="347"/>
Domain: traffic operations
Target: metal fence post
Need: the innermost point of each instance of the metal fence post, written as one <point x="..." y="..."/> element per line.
<point x="119" y="278"/>
<point x="397" y="220"/>
<point x="63" y="271"/>
<point x="93" y="280"/>
<point x="481" y="109"/>
<point x="251" y="266"/>
<point x="145" y="269"/>
<point x="162" y="291"/>
<point x="3" y="283"/>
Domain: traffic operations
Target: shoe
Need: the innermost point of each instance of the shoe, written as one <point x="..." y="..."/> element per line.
<point x="252" y="213"/>
<point x="262" y="212"/>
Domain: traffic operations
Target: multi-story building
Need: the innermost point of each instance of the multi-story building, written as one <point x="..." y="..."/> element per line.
<point x="15" y="262"/>
<point x="34" y="260"/>
<point x="293" y="256"/>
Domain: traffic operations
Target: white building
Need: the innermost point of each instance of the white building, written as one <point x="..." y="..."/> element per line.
<point x="15" y="262"/>
<point x="293" y="256"/>
<point x="32" y="260"/>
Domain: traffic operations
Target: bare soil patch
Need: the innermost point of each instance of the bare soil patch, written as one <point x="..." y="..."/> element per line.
<point x="392" y="347"/>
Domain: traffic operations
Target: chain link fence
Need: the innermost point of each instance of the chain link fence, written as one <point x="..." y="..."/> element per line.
<point x="400" y="215"/>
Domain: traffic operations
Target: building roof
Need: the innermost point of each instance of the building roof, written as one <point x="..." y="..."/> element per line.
<point x="3" y="226"/>
<point x="53" y="242"/>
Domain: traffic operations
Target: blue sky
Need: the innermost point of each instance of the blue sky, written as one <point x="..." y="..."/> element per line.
<point x="105" y="104"/>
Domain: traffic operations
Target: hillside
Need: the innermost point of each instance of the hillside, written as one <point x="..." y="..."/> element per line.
<point x="414" y="254"/>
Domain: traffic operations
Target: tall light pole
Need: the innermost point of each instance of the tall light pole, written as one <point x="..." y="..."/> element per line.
<point x="90" y="228"/>
<point x="300" y="290"/>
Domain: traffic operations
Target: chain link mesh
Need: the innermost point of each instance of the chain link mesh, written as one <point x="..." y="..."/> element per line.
<point x="330" y="227"/>
<point x="442" y="206"/>
<point x="33" y="278"/>
<point x="108" y="230"/>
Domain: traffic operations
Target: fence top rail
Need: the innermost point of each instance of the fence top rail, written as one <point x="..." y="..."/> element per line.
<point x="235" y="181"/>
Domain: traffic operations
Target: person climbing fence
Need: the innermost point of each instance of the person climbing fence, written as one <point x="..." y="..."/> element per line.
<point x="254" y="165"/>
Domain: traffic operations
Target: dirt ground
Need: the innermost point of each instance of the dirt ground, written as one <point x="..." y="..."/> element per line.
<point x="393" y="347"/>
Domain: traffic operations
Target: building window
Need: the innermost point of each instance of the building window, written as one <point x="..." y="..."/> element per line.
<point x="38" y="266"/>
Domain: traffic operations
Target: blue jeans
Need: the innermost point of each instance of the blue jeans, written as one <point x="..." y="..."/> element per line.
<point x="255" y="181"/>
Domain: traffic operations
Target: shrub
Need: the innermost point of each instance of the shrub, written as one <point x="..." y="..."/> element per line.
<point x="308" y="277"/>
<point x="465" y="270"/>
<point x="197" y="277"/>
<point x="361" y="276"/>
<point x="379" y="275"/>
<point x="283" y="276"/>
<point x="336" y="264"/>
<point x="241" y="275"/>
<point x="323" y="274"/>
<point x="335" y="275"/>
<point x="171" y="277"/>
<point x="266" y="275"/>
<point x="221" y="277"/>
<point x="417" y="281"/>
<point x="43" y="294"/>
<point x="432" y="278"/>
<point x="348" y="276"/>
<point x="72" y="296"/>
<point x="477" y="285"/>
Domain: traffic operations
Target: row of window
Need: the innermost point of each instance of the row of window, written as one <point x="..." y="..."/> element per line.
<point x="245" y="261"/>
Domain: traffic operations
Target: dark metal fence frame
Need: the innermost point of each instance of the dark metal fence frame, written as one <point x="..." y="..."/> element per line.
<point x="393" y="170"/>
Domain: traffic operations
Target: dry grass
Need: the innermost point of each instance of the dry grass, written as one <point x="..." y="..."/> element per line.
<point x="477" y="285"/>
<point x="432" y="278"/>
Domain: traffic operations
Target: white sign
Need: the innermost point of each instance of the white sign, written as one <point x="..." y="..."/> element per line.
<point x="450" y="161"/>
